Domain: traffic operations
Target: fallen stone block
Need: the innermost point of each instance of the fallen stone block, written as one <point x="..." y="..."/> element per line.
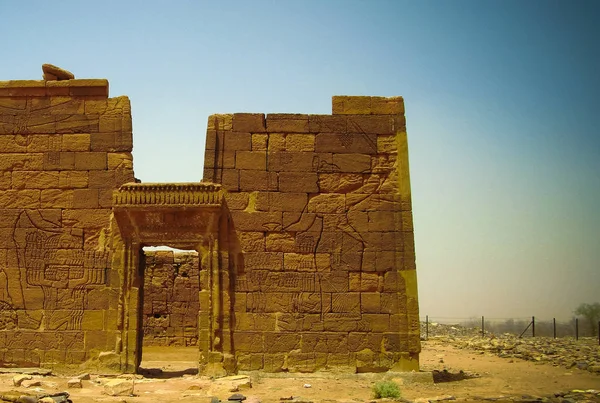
<point x="119" y="387"/>
<point x="18" y="379"/>
<point x="74" y="383"/>
<point x="52" y="72"/>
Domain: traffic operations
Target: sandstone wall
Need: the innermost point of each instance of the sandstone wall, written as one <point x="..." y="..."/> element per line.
<point x="322" y="238"/>
<point x="171" y="285"/>
<point x="64" y="147"/>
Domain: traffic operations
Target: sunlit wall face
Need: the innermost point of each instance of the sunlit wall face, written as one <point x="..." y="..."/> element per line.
<point x="501" y="105"/>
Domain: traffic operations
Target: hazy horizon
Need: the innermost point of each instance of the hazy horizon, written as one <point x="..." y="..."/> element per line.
<point x="501" y="107"/>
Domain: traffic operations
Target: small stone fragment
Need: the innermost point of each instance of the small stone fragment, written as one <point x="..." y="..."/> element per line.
<point x="31" y="383"/>
<point x="236" y="397"/>
<point x="18" y="379"/>
<point x="52" y="72"/>
<point x="74" y="383"/>
<point x="27" y="399"/>
<point x="119" y="387"/>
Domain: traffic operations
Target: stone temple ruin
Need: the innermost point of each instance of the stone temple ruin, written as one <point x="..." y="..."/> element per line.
<point x="301" y="226"/>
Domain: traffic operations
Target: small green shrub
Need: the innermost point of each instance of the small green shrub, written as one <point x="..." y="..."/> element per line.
<point x="386" y="389"/>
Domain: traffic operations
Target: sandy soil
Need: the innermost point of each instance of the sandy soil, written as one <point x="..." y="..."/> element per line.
<point x="493" y="377"/>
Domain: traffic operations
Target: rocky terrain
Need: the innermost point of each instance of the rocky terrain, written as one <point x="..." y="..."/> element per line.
<point x="583" y="354"/>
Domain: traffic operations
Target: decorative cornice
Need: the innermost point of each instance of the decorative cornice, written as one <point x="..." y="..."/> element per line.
<point x="168" y="195"/>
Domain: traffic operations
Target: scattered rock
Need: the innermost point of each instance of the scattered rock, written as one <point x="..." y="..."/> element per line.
<point x="119" y="387"/>
<point x="53" y="73"/>
<point x="236" y="397"/>
<point x="27" y="399"/>
<point x="74" y="383"/>
<point x="18" y="379"/>
<point x="28" y="371"/>
<point x="83" y="377"/>
<point x="567" y="352"/>
<point x="46" y="399"/>
<point x="31" y="383"/>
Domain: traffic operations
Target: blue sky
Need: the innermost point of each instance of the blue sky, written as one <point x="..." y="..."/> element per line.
<point x="501" y="103"/>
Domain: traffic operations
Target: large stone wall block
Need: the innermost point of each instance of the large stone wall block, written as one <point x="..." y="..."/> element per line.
<point x="279" y="201"/>
<point x="291" y="161"/>
<point x="298" y="182"/>
<point x="326" y="124"/>
<point x="287" y="123"/>
<point x="237" y="141"/>
<point x="300" y="142"/>
<point x="345" y="105"/>
<point x="371" y="124"/>
<point x="352" y="162"/>
<point x="252" y="180"/>
<point x="253" y="160"/>
<point x="345" y="143"/>
<point x="220" y="122"/>
<point x="249" y="122"/>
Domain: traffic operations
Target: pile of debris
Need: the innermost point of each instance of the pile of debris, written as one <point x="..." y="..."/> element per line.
<point x="566" y="352"/>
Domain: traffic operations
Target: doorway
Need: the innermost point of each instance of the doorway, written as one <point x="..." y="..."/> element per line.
<point x="169" y="314"/>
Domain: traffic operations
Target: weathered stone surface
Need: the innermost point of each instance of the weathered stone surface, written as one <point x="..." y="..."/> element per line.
<point x="52" y="72"/>
<point x="306" y="237"/>
<point x="119" y="387"/>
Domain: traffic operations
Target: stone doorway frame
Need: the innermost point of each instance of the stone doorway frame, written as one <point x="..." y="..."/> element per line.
<point x="184" y="216"/>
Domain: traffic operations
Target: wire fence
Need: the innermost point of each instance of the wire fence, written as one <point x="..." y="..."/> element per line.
<point x="522" y="327"/>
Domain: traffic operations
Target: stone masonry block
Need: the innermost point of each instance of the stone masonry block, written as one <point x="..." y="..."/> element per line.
<point x="237" y="141"/>
<point x="251" y="180"/>
<point x="72" y="179"/>
<point x="90" y="161"/>
<point x="253" y="160"/>
<point x="220" y="122"/>
<point x="56" y="198"/>
<point x="300" y="142"/>
<point x="326" y="124"/>
<point x="345" y="302"/>
<point x="76" y="142"/>
<point x="370" y="302"/>
<point x="237" y="201"/>
<point x="276" y="142"/>
<point x="259" y="142"/>
<point x="290" y="161"/>
<point x="346" y="143"/>
<point x="85" y="198"/>
<point x="351" y="105"/>
<point x="278" y="201"/>
<point x="371" y="124"/>
<point x="298" y="182"/>
<point x="259" y="221"/>
<point x="352" y="162"/>
<point x="287" y="123"/>
<point x="35" y="179"/>
<point x="249" y="122"/>
<point x="26" y="198"/>
<point x="387" y="106"/>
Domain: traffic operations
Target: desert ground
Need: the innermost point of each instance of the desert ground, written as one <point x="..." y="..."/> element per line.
<point x="459" y="373"/>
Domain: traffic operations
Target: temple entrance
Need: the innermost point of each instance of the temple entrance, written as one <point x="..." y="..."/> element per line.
<point x="170" y="311"/>
<point x="185" y="216"/>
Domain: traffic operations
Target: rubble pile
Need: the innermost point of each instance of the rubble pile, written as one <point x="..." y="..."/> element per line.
<point x="583" y="354"/>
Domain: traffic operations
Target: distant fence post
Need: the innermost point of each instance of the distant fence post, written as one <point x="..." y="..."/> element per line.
<point x="533" y="326"/>
<point x="554" y="326"/>
<point x="576" y="328"/>
<point x="426" y="327"/>
<point x="482" y="326"/>
<point x="599" y="332"/>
